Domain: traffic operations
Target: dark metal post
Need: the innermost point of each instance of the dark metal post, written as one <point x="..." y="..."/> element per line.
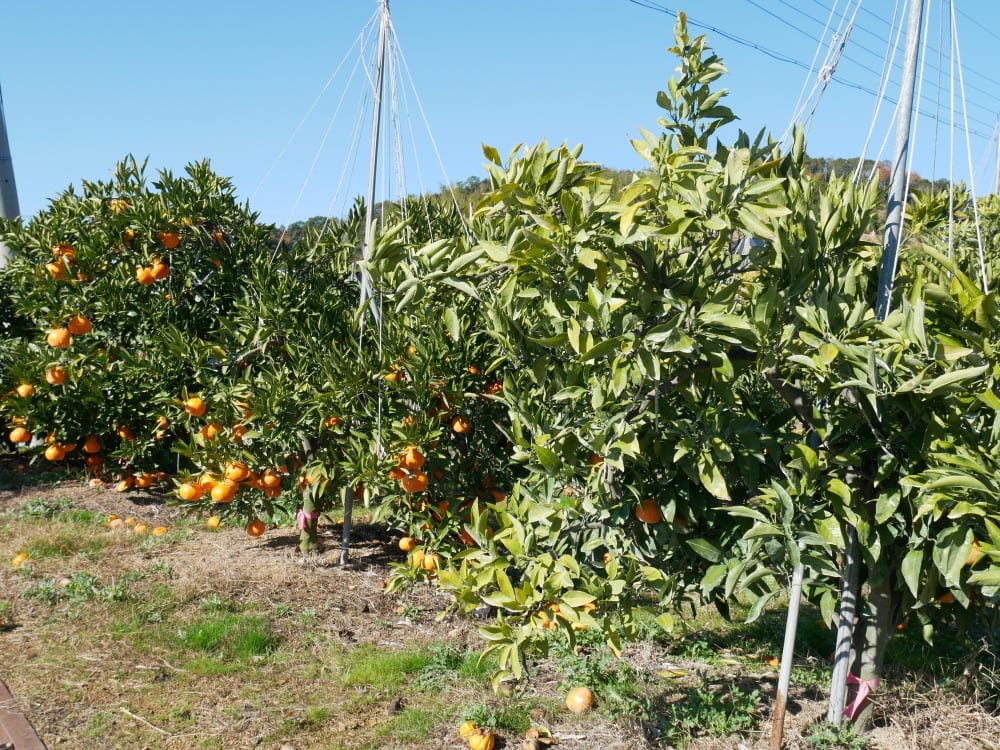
<point x="9" y="207"/>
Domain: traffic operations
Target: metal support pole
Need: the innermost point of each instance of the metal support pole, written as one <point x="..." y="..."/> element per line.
<point x="897" y="186"/>
<point x="366" y="292"/>
<point x="9" y="207"/>
<point x="346" y="535"/>
<point x="845" y="629"/>
<point x="787" y="656"/>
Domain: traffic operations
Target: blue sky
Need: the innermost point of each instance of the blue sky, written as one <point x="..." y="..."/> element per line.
<point x="85" y="84"/>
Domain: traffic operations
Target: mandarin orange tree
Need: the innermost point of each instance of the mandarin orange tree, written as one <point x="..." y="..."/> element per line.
<point x="317" y="397"/>
<point x="627" y="323"/>
<point x="106" y="352"/>
<point x="704" y="349"/>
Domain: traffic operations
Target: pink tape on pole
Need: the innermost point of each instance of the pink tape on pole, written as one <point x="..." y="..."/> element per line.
<point x="302" y="518"/>
<point x="865" y="688"/>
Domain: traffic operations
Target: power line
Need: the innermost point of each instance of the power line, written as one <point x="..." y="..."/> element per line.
<point x="782" y="57"/>
<point x="877" y="55"/>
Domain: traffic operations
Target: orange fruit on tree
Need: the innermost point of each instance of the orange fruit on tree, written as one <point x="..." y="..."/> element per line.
<point x="195" y="406"/>
<point x="237" y="471"/>
<point x="974" y="554"/>
<point x="59" y="338"/>
<point x="461" y="425"/>
<point x="56" y="270"/>
<point x="397" y="473"/>
<point x="125" y="432"/>
<point x="332" y="422"/>
<point x="430" y="562"/>
<point x="415" y="482"/>
<point x="224" y="491"/>
<point x="170" y="240"/>
<point x="207" y="481"/>
<point x="190" y="491"/>
<point x="160" y="270"/>
<point x="55" y="452"/>
<point x="256" y="527"/>
<point x="144" y="275"/>
<point x="25" y="390"/>
<point x="128" y="236"/>
<point x="19" y="435"/>
<point x="648" y="511"/>
<point x="55" y="375"/>
<point x="407" y="544"/>
<point x="118" y="205"/>
<point x="411" y="458"/>
<point x="210" y="431"/>
<point x="91" y="444"/>
<point x="417" y="558"/>
<point x="580" y="700"/>
<point x="270" y="480"/>
<point x="78" y="325"/>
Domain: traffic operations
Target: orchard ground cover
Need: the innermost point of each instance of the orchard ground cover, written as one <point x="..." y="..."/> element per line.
<point x="213" y="639"/>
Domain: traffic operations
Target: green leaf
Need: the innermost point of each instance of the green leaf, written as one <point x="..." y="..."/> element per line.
<point x="602" y="348"/>
<point x="462" y="286"/>
<point x="548" y="458"/>
<point x="665" y="621"/>
<point x="452" y="324"/>
<point x="911" y="567"/>
<point x="763" y="530"/>
<point x="577" y="599"/>
<point x="706" y="549"/>
<point x="954" y="377"/>
<point x="711" y="477"/>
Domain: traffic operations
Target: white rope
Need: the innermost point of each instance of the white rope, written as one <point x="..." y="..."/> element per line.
<point x="822" y="80"/>
<point x="830" y="64"/>
<point x="348" y="166"/>
<point x="968" y="152"/>
<point x="810" y="75"/>
<point x="916" y="126"/>
<point x="893" y="46"/>
<point x="437" y="153"/>
<point x="307" y="115"/>
<point x="937" y="98"/>
<point x="312" y="167"/>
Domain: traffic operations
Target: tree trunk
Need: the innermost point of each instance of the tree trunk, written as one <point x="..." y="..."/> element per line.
<point x="874" y="629"/>
<point x="308" y="521"/>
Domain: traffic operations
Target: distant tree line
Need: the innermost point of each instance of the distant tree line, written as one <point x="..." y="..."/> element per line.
<point x="464" y="194"/>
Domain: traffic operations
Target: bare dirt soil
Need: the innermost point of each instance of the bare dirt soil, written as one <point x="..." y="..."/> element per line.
<point x="82" y="691"/>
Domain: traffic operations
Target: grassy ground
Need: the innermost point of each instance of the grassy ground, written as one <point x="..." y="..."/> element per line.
<point x="211" y="639"/>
